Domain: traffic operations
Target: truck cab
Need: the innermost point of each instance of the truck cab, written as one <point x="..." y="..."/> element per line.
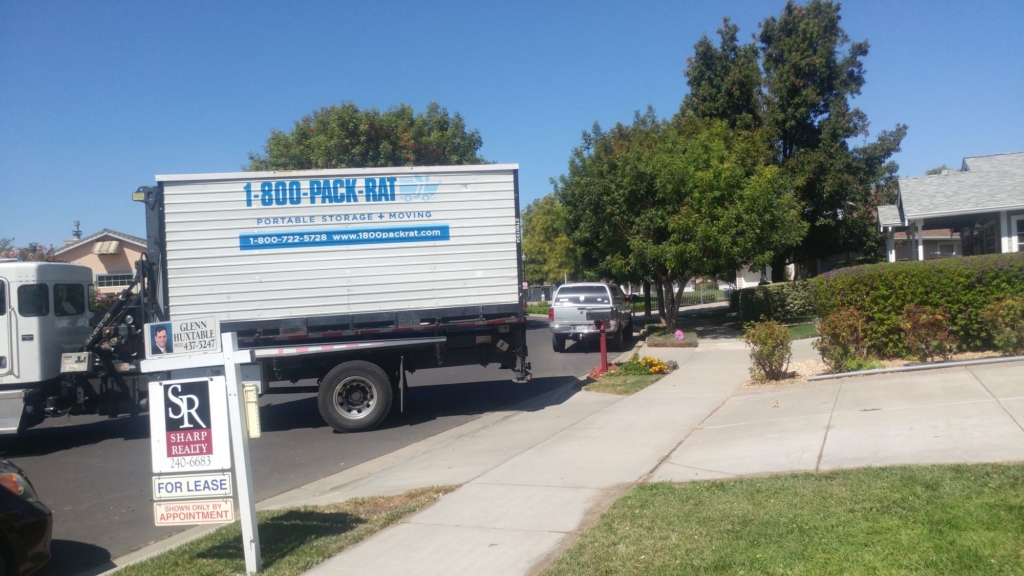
<point x="568" y="313"/>
<point x="44" y="312"/>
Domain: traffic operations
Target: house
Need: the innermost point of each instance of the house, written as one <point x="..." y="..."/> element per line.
<point x="978" y="210"/>
<point x="111" y="256"/>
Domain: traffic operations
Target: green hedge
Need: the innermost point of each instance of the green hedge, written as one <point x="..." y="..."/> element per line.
<point x="963" y="287"/>
<point x="777" y="301"/>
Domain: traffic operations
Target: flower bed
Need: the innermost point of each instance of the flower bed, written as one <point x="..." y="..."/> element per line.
<point x="629" y="377"/>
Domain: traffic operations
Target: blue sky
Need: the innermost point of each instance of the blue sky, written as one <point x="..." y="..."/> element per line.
<point x="98" y="97"/>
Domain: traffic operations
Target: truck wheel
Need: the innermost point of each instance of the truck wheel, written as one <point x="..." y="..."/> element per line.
<point x="627" y="335"/>
<point x="558" y="343"/>
<point x="355" y="396"/>
<point x="617" y="340"/>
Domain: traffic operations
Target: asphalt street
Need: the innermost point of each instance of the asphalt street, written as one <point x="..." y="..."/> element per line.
<point x="94" y="472"/>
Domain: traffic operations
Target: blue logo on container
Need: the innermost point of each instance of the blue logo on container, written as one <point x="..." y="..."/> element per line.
<point x="417" y="188"/>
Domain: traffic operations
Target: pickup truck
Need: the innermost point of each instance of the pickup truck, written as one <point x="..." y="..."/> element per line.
<point x="568" y="314"/>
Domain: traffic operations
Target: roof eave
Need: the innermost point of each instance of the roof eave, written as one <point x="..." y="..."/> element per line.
<point x="926" y="215"/>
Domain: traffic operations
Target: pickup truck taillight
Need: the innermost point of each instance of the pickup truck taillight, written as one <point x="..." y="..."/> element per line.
<point x="551" y="314"/>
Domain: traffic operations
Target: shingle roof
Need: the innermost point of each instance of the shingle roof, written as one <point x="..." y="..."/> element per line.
<point x="889" y="216"/>
<point x="993" y="162"/>
<point x="106" y="231"/>
<point x="992" y="183"/>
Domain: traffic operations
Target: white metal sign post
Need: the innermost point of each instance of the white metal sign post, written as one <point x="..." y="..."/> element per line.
<point x="240" y="446"/>
<point x="196" y="425"/>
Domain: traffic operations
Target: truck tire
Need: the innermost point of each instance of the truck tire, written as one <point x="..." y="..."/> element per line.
<point x="355" y="396"/>
<point x="627" y="335"/>
<point x="617" y="342"/>
<point x="558" y="343"/>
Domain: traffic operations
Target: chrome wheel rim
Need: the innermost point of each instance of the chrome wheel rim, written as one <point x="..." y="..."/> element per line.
<point x="355" y="397"/>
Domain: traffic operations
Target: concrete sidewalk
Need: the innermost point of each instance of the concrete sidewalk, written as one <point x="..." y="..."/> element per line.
<point x="531" y="480"/>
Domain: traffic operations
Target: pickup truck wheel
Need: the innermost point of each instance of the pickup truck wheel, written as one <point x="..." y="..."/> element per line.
<point x="627" y="335"/>
<point x="558" y="343"/>
<point x="617" y="340"/>
<point x="355" y="396"/>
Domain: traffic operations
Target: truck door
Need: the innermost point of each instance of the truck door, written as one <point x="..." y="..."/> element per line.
<point x="6" y="359"/>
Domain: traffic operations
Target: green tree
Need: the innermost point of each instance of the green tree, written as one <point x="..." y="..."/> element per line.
<point x="809" y="73"/>
<point x="346" y="137"/>
<point x="689" y="198"/>
<point x="935" y="171"/>
<point x="550" y="255"/>
<point x="610" y="183"/>
<point x="725" y="82"/>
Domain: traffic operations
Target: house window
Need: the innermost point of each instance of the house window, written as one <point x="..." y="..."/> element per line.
<point x="1017" y="242"/>
<point x="111" y="280"/>
<point x="948" y="249"/>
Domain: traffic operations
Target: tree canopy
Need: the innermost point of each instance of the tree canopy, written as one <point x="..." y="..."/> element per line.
<point x="344" y="136"/>
<point x="671" y="201"/>
<point x="550" y="255"/>
<point x="938" y="170"/>
<point x="795" y="84"/>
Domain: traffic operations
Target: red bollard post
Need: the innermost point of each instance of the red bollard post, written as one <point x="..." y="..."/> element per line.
<point x="604" y="347"/>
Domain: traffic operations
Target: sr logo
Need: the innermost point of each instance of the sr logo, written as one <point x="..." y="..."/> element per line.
<point x="187" y="406"/>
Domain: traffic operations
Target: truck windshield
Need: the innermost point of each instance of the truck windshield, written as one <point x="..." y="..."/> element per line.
<point x="583" y="295"/>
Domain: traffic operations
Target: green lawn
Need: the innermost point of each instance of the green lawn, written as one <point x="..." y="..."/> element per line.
<point x="900" y="520"/>
<point x="540" y="308"/>
<point x="802" y="331"/>
<point x="292" y="540"/>
<point x="622" y="385"/>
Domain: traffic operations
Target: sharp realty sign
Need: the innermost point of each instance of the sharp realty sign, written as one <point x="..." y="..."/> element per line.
<point x="189" y="426"/>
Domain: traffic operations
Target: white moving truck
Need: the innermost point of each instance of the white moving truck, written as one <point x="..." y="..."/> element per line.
<point x="351" y="277"/>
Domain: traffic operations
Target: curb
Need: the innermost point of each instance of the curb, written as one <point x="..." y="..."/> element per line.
<point x="918" y="367"/>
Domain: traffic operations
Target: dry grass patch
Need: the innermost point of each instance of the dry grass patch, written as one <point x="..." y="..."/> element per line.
<point x="804" y="369"/>
<point x="292" y="540"/>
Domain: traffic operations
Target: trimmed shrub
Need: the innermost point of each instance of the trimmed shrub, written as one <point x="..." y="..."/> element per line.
<point x="841" y="340"/>
<point x="770" y="351"/>
<point x="734" y="300"/>
<point x="927" y="333"/>
<point x="775" y="301"/>
<point x="963" y="287"/>
<point x="1005" y="320"/>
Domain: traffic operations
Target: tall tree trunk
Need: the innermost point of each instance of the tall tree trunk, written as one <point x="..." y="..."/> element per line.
<point x="647" y="300"/>
<point x="661" y="301"/>
<point x="672" y="300"/>
<point x="779" y="269"/>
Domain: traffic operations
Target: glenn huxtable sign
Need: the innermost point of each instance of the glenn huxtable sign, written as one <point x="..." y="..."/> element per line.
<point x="188" y="424"/>
<point x="183" y="337"/>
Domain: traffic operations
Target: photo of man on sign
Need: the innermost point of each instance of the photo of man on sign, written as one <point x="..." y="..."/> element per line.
<point x="162" y="339"/>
